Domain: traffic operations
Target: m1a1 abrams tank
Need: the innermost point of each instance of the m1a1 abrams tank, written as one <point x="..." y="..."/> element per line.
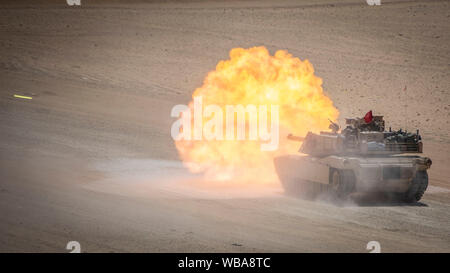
<point x="361" y="158"/>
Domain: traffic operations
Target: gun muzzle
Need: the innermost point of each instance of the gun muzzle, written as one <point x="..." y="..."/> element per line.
<point x="295" y="138"/>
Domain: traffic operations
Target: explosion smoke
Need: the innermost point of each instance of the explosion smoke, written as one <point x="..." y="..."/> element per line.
<point x="253" y="76"/>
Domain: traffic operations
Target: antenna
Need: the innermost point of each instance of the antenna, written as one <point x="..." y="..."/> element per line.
<point x="406" y="108"/>
<point x="334" y="126"/>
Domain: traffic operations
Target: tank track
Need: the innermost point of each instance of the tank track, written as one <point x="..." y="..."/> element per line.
<point x="417" y="188"/>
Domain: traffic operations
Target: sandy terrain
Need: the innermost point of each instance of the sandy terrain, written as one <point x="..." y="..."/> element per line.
<point x="90" y="157"/>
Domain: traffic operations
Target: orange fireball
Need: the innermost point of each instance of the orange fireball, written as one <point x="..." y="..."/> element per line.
<point x="254" y="77"/>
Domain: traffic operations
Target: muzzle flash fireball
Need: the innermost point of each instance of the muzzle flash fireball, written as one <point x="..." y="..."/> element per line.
<point x="254" y="77"/>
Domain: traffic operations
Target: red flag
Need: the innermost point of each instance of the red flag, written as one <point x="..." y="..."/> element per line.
<point x="368" y="117"/>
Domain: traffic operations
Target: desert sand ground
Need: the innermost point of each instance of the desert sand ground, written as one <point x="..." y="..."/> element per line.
<point x="90" y="157"/>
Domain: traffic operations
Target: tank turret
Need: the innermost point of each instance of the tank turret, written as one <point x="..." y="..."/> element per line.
<point x="362" y="136"/>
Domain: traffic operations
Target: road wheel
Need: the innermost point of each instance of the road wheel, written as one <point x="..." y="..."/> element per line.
<point x="342" y="182"/>
<point x="417" y="188"/>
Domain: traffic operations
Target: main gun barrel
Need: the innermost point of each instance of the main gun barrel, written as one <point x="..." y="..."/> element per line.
<point x="295" y="138"/>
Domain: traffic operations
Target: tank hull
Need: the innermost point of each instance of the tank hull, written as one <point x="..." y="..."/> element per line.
<point x="357" y="174"/>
